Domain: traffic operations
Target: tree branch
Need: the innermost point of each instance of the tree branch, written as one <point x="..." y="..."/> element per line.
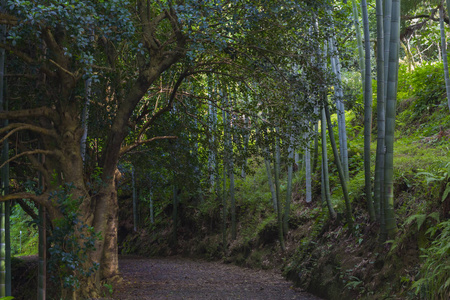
<point x="21" y="126"/>
<point x="192" y="115"/>
<point x="27" y="209"/>
<point x="29" y="113"/>
<point x="36" y="163"/>
<point x="128" y="148"/>
<point x="165" y="109"/>
<point x="430" y="17"/>
<point x="46" y="152"/>
<point x="23" y="56"/>
<point x="62" y="62"/>
<point x="41" y="199"/>
<point x="149" y="27"/>
<point x="148" y="73"/>
<point x="146" y="109"/>
<point x="29" y="76"/>
<point x="7" y="19"/>
<point x="51" y="42"/>
<point x="74" y="76"/>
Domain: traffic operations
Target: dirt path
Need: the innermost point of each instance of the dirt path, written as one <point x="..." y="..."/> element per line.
<point x="179" y="278"/>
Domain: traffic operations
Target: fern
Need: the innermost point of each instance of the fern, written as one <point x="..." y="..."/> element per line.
<point x="420" y="219"/>
<point x="434" y="283"/>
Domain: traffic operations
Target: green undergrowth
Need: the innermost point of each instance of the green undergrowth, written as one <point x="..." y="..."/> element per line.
<point x="321" y="255"/>
<point x="24" y="233"/>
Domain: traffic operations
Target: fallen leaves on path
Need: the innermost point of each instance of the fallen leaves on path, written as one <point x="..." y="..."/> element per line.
<point x="180" y="278"/>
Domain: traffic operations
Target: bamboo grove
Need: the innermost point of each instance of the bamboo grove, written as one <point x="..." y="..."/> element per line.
<point x="184" y="94"/>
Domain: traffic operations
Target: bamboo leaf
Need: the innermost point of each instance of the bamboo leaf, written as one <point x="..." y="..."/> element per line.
<point x="446" y="192"/>
<point x="420" y="220"/>
<point x="447" y="283"/>
<point x="434" y="215"/>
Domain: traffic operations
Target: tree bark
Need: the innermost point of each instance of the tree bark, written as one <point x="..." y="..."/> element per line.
<point x="278" y="193"/>
<point x="348" y="209"/>
<point x="367" y="113"/>
<point x="212" y="115"/>
<point x="359" y="43"/>
<point x="175" y="216"/>
<point x="270" y="181"/>
<point x="444" y="53"/>
<point x="391" y="101"/>
<point x="135" y="200"/>
<point x="5" y="246"/>
<point x="308" y="173"/>
<point x="224" y="207"/>
<point x="381" y="110"/>
<point x="325" y="177"/>
<point x="339" y="95"/>
<point x="287" y="206"/>
<point x="316" y="147"/>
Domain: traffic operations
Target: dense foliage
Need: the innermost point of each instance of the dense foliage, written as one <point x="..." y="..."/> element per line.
<point x="180" y="105"/>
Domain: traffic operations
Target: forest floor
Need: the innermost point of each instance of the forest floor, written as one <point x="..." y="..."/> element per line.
<point x="181" y="278"/>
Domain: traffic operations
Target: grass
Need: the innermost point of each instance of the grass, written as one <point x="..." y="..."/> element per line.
<point x="24" y="233"/>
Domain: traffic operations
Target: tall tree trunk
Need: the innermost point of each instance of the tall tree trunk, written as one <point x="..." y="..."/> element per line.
<point x="391" y="101"/>
<point x="224" y="176"/>
<point x="135" y="200"/>
<point x="42" y="265"/>
<point x="8" y="273"/>
<point x="381" y="110"/>
<point x="359" y="42"/>
<point x="448" y="7"/>
<point x="5" y="246"/>
<point x="85" y="114"/>
<point x="232" y="194"/>
<point x="387" y="40"/>
<point x="175" y="216"/>
<point x="367" y="113"/>
<point x="339" y="95"/>
<point x="152" y="213"/>
<point x="195" y="157"/>
<point x="212" y="112"/>
<point x="316" y="147"/>
<point x="444" y="53"/>
<point x="85" y="118"/>
<point x="62" y="118"/>
<point x="348" y="209"/>
<point x="278" y="192"/>
<point x="325" y="178"/>
<point x="267" y="155"/>
<point x="246" y="141"/>
<point x="308" y="172"/>
<point x="2" y="250"/>
<point x="224" y="207"/>
<point x="271" y="186"/>
<point x="232" y="203"/>
<point x="322" y="185"/>
<point x="287" y="206"/>
<point x="109" y="260"/>
<point x="230" y="163"/>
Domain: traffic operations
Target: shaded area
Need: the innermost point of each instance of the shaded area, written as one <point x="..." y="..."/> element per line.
<point x="24" y="277"/>
<point x="180" y="278"/>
